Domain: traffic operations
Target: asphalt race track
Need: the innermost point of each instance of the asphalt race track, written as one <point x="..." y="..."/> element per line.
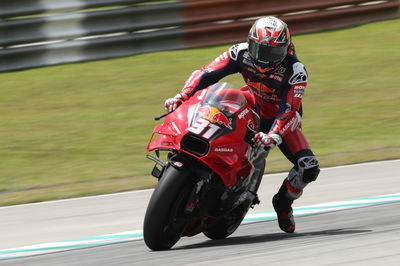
<point x="362" y="234"/>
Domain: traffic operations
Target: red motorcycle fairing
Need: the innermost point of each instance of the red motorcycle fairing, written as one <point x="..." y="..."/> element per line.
<point x="211" y="126"/>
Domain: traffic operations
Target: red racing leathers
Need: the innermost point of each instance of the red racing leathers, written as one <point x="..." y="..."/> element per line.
<point x="278" y="95"/>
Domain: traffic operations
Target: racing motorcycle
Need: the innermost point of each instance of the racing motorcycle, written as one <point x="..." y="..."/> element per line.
<point x="212" y="169"/>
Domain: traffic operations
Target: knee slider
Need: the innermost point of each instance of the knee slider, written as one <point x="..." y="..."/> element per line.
<point x="309" y="167"/>
<point x="311" y="174"/>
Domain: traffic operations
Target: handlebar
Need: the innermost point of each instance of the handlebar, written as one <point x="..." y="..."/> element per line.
<point x="161" y="116"/>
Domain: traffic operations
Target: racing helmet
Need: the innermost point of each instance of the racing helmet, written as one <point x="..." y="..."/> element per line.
<point x="269" y="40"/>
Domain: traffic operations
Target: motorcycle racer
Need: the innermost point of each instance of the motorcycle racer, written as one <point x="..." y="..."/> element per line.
<point x="277" y="79"/>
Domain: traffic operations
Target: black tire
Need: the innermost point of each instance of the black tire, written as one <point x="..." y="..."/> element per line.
<point x="228" y="225"/>
<point x="164" y="221"/>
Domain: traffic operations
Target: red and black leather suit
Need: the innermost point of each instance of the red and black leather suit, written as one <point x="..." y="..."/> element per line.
<point x="278" y="96"/>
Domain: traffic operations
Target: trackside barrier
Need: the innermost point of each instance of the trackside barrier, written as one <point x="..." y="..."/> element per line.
<point x="36" y="33"/>
<point x="18" y="8"/>
<point x="302" y="16"/>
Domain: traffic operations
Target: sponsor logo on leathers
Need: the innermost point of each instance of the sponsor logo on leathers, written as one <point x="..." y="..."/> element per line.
<point x="234" y="50"/>
<point x="299" y="74"/>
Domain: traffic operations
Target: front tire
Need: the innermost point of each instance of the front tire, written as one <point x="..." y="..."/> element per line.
<point x="164" y="220"/>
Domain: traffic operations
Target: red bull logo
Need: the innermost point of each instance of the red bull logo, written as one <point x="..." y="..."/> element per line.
<point x="215" y="116"/>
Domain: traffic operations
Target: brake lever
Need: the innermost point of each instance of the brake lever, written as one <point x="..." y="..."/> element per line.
<point x="250" y="133"/>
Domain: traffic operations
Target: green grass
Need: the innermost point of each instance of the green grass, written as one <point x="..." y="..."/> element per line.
<point x="82" y="129"/>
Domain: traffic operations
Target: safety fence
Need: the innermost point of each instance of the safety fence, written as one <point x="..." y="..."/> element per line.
<point x="37" y="33"/>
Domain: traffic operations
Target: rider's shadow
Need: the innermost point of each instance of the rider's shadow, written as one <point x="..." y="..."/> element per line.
<point x="252" y="239"/>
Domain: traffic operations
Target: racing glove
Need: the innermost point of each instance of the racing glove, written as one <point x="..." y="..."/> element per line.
<point x="172" y="103"/>
<point x="269" y="140"/>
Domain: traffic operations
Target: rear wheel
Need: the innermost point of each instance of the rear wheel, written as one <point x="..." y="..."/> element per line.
<point x="227" y="225"/>
<point x="165" y="220"/>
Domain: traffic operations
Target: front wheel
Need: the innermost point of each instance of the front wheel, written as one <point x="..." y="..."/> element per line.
<point x="164" y="220"/>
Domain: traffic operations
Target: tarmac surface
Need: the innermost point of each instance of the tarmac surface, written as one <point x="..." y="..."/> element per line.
<point x="360" y="236"/>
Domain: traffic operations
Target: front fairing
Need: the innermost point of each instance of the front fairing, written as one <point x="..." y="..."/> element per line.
<point x="210" y="126"/>
<point x="217" y="105"/>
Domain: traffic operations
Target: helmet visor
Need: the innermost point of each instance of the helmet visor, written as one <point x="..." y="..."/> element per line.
<point x="267" y="54"/>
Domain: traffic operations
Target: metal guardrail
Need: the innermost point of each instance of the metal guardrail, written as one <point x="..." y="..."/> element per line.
<point x="302" y="16"/>
<point x="18" y="8"/>
<point x="37" y="33"/>
<point x="84" y="50"/>
<point x="80" y="24"/>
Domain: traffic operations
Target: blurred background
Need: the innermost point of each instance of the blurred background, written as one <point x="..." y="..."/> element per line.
<point x="82" y="80"/>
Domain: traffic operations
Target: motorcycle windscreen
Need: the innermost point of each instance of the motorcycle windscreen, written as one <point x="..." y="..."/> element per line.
<point x="219" y="105"/>
<point x="223" y="97"/>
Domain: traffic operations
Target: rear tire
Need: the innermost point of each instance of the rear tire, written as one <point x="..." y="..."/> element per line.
<point x="227" y="225"/>
<point x="164" y="220"/>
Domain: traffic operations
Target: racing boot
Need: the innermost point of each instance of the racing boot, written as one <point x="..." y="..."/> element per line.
<point x="306" y="171"/>
<point x="284" y="211"/>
